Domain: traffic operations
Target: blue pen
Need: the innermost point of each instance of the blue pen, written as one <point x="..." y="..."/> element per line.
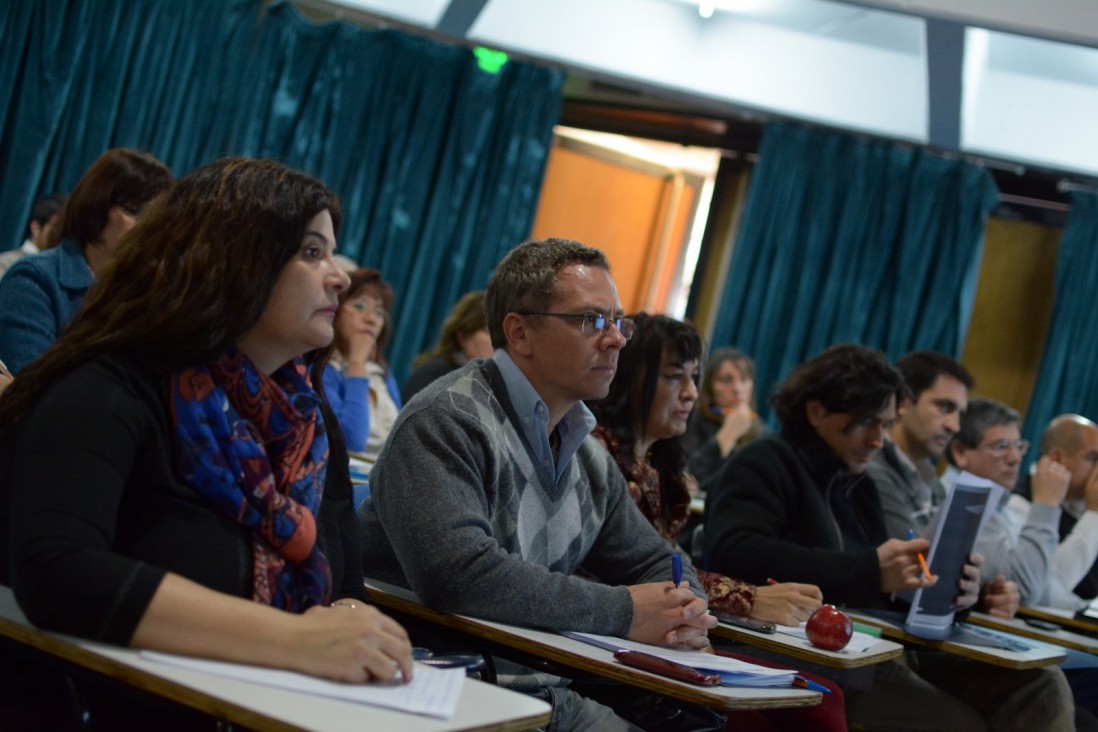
<point x="803" y="683"/>
<point x="676" y="568"/>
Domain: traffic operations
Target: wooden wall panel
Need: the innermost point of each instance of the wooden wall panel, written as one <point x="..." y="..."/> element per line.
<point x="1012" y="311"/>
<point x="621" y="206"/>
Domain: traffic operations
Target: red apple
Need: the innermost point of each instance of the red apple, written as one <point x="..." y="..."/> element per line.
<point x="829" y="628"/>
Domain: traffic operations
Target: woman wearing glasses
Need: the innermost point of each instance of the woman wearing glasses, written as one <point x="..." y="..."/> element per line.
<point x="357" y="381"/>
<point x="40" y="293"/>
<point x="196" y="500"/>
<point x="641" y="422"/>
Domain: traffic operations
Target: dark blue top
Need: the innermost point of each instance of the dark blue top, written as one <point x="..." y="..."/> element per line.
<point x="38" y="297"/>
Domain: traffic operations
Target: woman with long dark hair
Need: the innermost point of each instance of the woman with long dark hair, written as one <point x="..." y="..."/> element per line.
<point x="641" y="422"/>
<point x="171" y="478"/>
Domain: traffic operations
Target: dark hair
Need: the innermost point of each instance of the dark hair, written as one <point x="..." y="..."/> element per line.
<point x="118" y="177"/>
<point x="743" y="362"/>
<point x="465" y="319"/>
<point x="367" y="280"/>
<point x="922" y="368"/>
<point x="525" y="281"/>
<point x="191" y="278"/>
<point x="46" y="208"/>
<point x="847" y="378"/>
<point x="981" y="415"/>
<point x="624" y="410"/>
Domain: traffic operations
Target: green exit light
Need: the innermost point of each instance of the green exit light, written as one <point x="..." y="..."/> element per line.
<point x="490" y="61"/>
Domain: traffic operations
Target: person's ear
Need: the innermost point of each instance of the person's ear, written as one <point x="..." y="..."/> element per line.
<point x="902" y="408"/>
<point x="814" y="412"/>
<point x="517" y="332"/>
<point x="959" y="453"/>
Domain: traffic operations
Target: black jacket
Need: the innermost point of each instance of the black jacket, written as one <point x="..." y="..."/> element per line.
<point x="787" y="509"/>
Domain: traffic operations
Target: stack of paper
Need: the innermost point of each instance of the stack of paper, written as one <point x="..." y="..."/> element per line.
<point x="733" y="672"/>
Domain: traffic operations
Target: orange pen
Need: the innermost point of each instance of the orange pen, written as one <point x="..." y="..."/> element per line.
<point x="922" y="559"/>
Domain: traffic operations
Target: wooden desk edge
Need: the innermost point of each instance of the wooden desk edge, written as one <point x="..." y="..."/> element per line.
<point x="139" y="679"/>
<point x="1037" y="634"/>
<point x="1071" y="621"/>
<point x="760" y="640"/>
<point x="618" y="672"/>
<point x="958" y="649"/>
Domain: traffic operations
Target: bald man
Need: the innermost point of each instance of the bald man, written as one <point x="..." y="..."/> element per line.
<point x="1072" y="441"/>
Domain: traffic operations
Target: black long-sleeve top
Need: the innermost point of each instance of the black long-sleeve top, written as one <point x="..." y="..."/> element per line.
<point x="98" y="514"/>
<point x="789" y="510"/>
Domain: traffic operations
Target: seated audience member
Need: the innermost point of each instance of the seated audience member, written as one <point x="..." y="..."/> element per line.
<point x="40" y="293"/>
<point x="362" y="391"/>
<point x="905" y="468"/>
<point x="43" y="218"/>
<point x="725" y="419"/>
<point x="464" y="336"/>
<point x="1018" y="543"/>
<point x="799" y="506"/>
<point x="641" y="422"/>
<point x="490" y="494"/>
<point x="1072" y="441"/>
<point x="136" y="524"/>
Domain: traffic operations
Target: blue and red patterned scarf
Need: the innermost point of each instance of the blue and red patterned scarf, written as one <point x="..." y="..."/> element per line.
<point x="255" y="447"/>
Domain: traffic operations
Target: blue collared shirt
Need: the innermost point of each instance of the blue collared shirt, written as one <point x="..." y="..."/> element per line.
<point x="533" y="415"/>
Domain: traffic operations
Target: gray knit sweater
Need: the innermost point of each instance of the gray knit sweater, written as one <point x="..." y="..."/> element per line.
<point x="460" y="514"/>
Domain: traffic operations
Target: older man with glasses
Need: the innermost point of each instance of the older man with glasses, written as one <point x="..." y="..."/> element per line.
<point x="1020" y="540"/>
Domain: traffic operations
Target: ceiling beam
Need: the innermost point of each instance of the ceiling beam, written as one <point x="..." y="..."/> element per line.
<point x="945" y="57"/>
<point x="459" y="17"/>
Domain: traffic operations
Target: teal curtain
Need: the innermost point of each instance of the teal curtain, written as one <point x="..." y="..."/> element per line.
<point x="846" y="239"/>
<point x="1068" y="378"/>
<point x="438" y="162"/>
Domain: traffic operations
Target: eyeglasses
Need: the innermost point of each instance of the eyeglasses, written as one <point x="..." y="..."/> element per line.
<point x="595" y="323"/>
<point x="360" y="306"/>
<point x="999" y="448"/>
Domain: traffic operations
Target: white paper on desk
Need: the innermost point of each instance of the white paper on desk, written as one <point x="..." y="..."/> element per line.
<point x="859" y="642"/>
<point x="433" y="692"/>
<point x="747" y="674"/>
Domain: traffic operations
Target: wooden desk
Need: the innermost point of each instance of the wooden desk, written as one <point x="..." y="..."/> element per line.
<point x="482" y="707"/>
<point x="1065" y="618"/>
<point x="1017" y="626"/>
<point x="994" y="656"/>
<point x="800" y="649"/>
<point x="583" y="657"/>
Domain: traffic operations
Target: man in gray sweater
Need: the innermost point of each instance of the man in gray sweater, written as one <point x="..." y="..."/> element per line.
<point x="490" y="495"/>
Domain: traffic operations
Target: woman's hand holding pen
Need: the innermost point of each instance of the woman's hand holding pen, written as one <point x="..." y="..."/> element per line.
<point x="665" y="615"/>
<point x="352" y="644"/>
<point x="786" y="603"/>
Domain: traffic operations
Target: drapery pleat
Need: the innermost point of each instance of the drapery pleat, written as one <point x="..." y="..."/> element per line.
<point x="851" y="240"/>
<point x="439" y="163"/>
<point x="1068" y="378"/>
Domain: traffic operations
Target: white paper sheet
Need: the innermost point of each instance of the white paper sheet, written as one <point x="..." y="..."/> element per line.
<point x="859" y="642"/>
<point x="433" y="692"/>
